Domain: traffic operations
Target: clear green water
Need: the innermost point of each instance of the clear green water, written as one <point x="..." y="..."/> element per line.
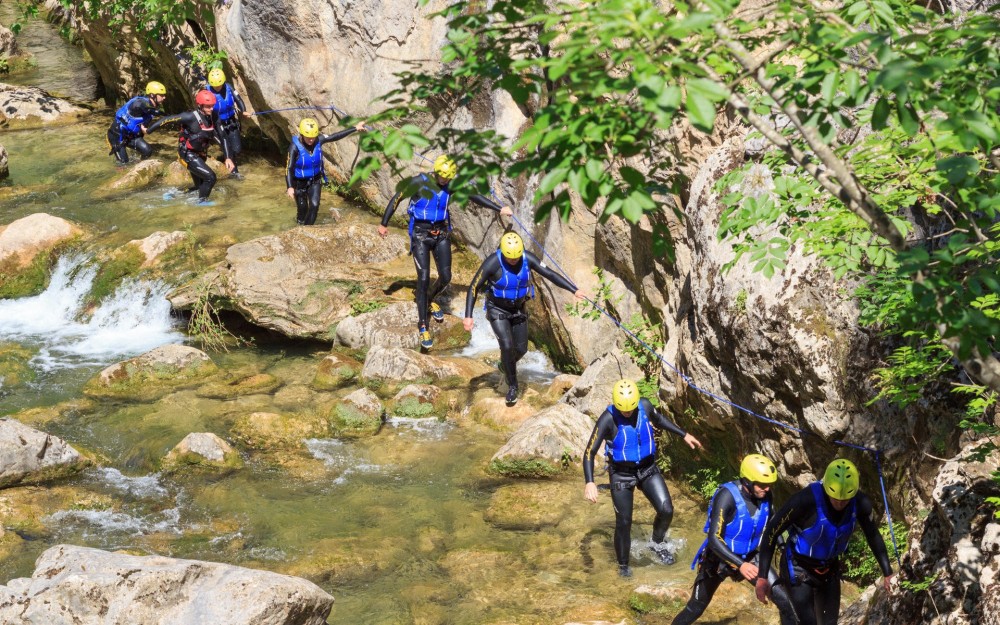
<point x="395" y="526"/>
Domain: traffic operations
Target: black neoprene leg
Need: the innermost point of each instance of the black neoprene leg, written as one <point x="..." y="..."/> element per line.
<point x="503" y="329"/>
<point x="117" y="145"/>
<point x="622" y="501"/>
<point x="779" y="595"/>
<point x="828" y="599"/>
<point x="656" y="492"/>
<point x="313" y="194"/>
<point x="201" y="174"/>
<point x="231" y="138"/>
<point x="442" y="259"/>
<point x="421" y="249"/>
<point x="705" y="585"/>
<point x="139" y="145"/>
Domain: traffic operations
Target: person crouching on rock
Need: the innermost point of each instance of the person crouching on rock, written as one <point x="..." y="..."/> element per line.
<point x="198" y="130"/>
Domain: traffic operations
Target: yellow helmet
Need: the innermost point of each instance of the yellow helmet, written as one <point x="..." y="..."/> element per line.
<point x="511" y="246"/>
<point x="625" y="395"/>
<point x="759" y="469"/>
<point x="841" y="479"/>
<point x="155" y="88"/>
<point x="445" y="167"/>
<point x="216" y="77"/>
<point x="309" y="128"/>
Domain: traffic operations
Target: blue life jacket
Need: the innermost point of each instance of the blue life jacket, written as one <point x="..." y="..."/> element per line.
<point x="129" y="123"/>
<point x="225" y="103"/>
<point x="824" y="541"/>
<point x="513" y="286"/>
<point x="631" y="443"/>
<point x="309" y="164"/>
<point x="743" y="534"/>
<point x="431" y="206"/>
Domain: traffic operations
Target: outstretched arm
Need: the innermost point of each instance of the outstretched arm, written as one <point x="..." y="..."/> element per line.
<point x="869" y="525"/>
<point x="486" y="273"/>
<point x="337" y="136"/>
<point x="555" y="278"/>
<point x="486" y="202"/>
<point x="180" y="117"/>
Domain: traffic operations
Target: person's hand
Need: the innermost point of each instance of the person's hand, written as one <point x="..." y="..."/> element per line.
<point x="692" y="442"/>
<point x="580" y="295"/>
<point x="382" y="231"/>
<point x="230" y="165"/>
<point x="505" y="211"/>
<point x="360" y="126"/>
<point x="762" y="588"/>
<point x="887" y="583"/>
<point x="590" y="492"/>
<point x="290" y="193"/>
<point x="749" y="571"/>
<point x="467" y="323"/>
<point x="247" y="114"/>
<point x="143" y="129"/>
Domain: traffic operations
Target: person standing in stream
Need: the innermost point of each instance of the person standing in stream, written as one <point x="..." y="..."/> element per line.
<point x="305" y="171"/>
<point x="228" y="108"/>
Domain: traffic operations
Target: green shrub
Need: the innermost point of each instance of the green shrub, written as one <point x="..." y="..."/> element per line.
<point x="859" y="565"/>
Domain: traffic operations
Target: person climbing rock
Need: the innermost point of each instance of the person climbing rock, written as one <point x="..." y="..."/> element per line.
<point x="819" y="520"/>
<point x="228" y="108"/>
<point x="198" y="130"/>
<point x="132" y="122"/>
<point x="626" y="429"/>
<point x="430" y="234"/>
<point x="507" y="276"/>
<point x="737" y="515"/>
<point x="305" y="172"/>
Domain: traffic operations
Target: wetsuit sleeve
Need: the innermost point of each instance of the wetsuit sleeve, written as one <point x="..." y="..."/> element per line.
<point x="487" y="274"/>
<point x="293" y="156"/>
<point x="143" y="107"/>
<point x="180" y="117"/>
<point x="723" y="511"/>
<point x="485" y="202"/>
<point x="603" y="430"/>
<point x="393" y="204"/>
<point x="659" y="421"/>
<point x="869" y="525"/>
<point x="555" y="278"/>
<point x="238" y="101"/>
<point x="796" y="511"/>
<point x="337" y="136"/>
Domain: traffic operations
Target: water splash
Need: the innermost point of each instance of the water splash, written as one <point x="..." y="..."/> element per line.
<point x="533" y="367"/>
<point x="335" y="454"/>
<point x="426" y="427"/>
<point x="141" y="487"/>
<point x="108" y="523"/>
<point x="135" y="319"/>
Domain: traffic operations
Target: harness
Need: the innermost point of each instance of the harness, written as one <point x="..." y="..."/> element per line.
<point x="743" y="534"/>
<point x="824" y="541"/>
<point x="197" y="141"/>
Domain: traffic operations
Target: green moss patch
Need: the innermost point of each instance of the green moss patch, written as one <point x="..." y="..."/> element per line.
<point x="124" y="263"/>
<point x="524" y="468"/>
<point x="348" y="420"/>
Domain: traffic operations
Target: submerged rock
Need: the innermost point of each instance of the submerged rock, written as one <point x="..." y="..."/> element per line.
<point x="335" y="371"/>
<point x="27" y="107"/>
<point x="153" y="374"/>
<point x="531" y="506"/>
<point x="202" y="449"/>
<point x="268" y="431"/>
<point x="250" y="385"/>
<point x="93" y="587"/>
<point x="30" y="456"/>
<point x="549" y="442"/>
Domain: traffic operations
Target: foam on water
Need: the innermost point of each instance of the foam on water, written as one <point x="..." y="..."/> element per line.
<point x="109" y="522"/>
<point x="426" y="427"/>
<point x="143" y="486"/>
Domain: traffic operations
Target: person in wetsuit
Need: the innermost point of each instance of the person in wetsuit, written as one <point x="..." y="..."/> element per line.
<point x="626" y="429"/>
<point x="198" y="130"/>
<point x="820" y="519"/>
<point x="737" y="515"/>
<point x="305" y="172"/>
<point x="228" y="108"/>
<point x="507" y="274"/>
<point x="132" y="122"/>
<point x="430" y="233"/>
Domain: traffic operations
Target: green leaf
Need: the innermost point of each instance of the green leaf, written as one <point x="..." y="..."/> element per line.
<point x="958" y="169"/>
<point x="907" y="118"/>
<point x="880" y="114"/>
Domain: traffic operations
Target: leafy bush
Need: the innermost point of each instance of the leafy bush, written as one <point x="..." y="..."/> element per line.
<point x="859" y="565"/>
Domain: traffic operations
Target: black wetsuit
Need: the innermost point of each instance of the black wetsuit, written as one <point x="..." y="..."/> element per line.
<point x="309" y="188"/>
<point x="719" y="563"/>
<point x="120" y="137"/>
<point x="229" y="128"/>
<point x="508" y="317"/>
<point x="815" y="589"/>
<point x="197" y="132"/>
<point x="430" y="238"/>
<point x="625" y="476"/>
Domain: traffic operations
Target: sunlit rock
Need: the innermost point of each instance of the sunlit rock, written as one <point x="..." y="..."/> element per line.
<point x="137" y="176"/>
<point x="546" y="444"/>
<point x="395" y="364"/>
<point x="26" y="246"/>
<point x="4" y="168"/>
<point x="28" y="107"/>
<point x="269" y="430"/>
<point x="249" y="385"/>
<point x="84" y="586"/>
<point x="153" y="374"/>
<point x="335" y="371"/>
<point x="202" y="449"/>
<point x="395" y="326"/>
<point x="30" y="456"/>
<point x="489" y="407"/>
<point x="591" y="393"/>
<point x="358" y="414"/>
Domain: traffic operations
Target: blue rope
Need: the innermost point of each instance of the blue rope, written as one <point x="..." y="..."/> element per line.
<point x="303" y="108"/>
<point x="687" y="379"/>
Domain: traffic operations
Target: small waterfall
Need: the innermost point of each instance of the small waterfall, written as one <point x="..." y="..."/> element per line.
<point x="135" y="319"/>
<point x="534" y="367"/>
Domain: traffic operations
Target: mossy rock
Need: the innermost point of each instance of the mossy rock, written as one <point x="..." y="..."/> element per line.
<point x="665" y="600"/>
<point x="412" y="408"/>
<point x="202" y="450"/>
<point x="530" y="468"/>
<point x="346" y="560"/>
<point x="268" y="431"/>
<point x="336" y="371"/>
<point x="15" y="368"/>
<point x="152" y="375"/>
<point x="124" y="262"/>
<point x="255" y="384"/>
<point x="530" y="506"/>
<point x="38" y="417"/>
<point x="348" y="420"/>
<point x="24" y="508"/>
<point x="17" y="281"/>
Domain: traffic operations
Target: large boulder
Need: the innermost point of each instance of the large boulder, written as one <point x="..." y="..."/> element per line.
<point x="395" y="364"/>
<point x="83" y="586"/>
<point x="551" y="441"/>
<point x="153" y="374"/>
<point x="591" y="392"/>
<point x="358" y="414"/>
<point x="30" y="456"/>
<point x="22" y="240"/>
<point x="28" y="107"/>
<point x="956" y="550"/>
<point x="299" y="282"/>
<point x="395" y="326"/>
